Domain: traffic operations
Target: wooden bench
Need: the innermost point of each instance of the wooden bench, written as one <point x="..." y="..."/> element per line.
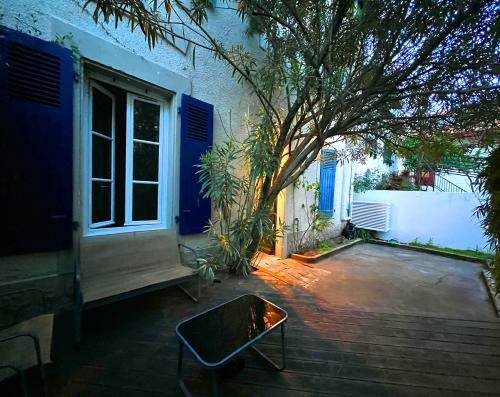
<point x="121" y="266"/>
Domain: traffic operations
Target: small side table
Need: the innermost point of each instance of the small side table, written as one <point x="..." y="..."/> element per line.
<point x="220" y="334"/>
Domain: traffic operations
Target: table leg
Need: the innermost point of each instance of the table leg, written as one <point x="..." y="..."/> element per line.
<point x="215" y="391"/>
<point x="283" y="354"/>
<point x="270" y="361"/>
<point x="179" y="372"/>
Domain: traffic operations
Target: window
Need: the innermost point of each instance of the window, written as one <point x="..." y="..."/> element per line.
<point x="127" y="150"/>
<point x="102" y="154"/>
<point x="327" y="183"/>
<point x="143" y="169"/>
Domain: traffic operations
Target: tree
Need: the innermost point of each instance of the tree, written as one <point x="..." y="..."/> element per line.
<point x="489" y="210"/>
<point x="364" y="72"/>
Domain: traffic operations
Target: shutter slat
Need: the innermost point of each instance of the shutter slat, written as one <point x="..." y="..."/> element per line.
<point x="327" y="183"/>
<point x="196" y="139"/>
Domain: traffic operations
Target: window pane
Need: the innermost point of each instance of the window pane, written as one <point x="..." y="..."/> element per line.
<point x="102" y="112"/>
<point x="145" y="202"/>
<point x="145" y="162"/>
<point x="101" y="201"/>
<point x="146" y="121"/>
<point x="101" y="157"/>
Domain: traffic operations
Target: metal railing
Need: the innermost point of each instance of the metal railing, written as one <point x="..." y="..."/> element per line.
<point x="442" y="184"/>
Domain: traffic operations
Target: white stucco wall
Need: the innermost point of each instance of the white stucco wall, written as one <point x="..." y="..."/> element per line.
<point x="126" y="52"/>
<point x="445" y="218"/>
<point x="164" y="66"/>
<point x="297" y="200"/>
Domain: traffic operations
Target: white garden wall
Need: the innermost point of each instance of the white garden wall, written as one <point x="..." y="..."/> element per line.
<point x="445" y="218"/>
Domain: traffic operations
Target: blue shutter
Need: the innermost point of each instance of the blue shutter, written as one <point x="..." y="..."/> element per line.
<point x="36" y="85"/>
<point x="197" y="120"/>
<point x="327" y="183"/>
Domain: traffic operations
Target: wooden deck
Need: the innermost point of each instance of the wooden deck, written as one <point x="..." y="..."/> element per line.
<point x="130" y="349"/>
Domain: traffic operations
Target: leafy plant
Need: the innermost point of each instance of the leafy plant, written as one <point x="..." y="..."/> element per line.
<point x="474" y="253"/>
<point x="364" y="234"/>
<point x="232" y="175"/>
<point x="67" y="40"/>
<point x="450" y="150"/>
<point x="325" y="246"/>
<point x="489" y="210"/>
<point x="366" y="181"/>
<point x="317" y="223"/>
<point x="395" y="181"/>
<point x="206" y="268"/>
<point x="374" y="180"/>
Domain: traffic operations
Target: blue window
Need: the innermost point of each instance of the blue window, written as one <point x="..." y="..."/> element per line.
<point x="327" y="182"/>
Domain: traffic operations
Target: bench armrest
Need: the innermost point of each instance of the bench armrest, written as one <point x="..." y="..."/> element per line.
<point x="191" y="249"/>
<point x="33" y="338"/>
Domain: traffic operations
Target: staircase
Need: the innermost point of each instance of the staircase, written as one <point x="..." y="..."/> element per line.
<point x="441" y="184"/>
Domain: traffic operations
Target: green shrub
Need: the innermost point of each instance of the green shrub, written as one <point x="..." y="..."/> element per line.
<point x="367" y="181"/>
<point x="489" y="210"/>
<point x="364" y="234"/>
<point x="325" y="246"/>
<point x="317" y="223"/>
<point x="374" y="180"/>
<point x="473" y="253"/>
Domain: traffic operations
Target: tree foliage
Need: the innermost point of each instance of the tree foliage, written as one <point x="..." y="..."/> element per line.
<point x="489" y="210"/>
<point x="237" y="218"/>
<point x="445" y="152"/>
<point x="363" y="72"/>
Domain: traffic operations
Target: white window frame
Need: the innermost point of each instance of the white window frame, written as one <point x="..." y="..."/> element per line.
<point x="94" y="85"/>
<point x="129" y="168"/>
<point x="168" y="157"/>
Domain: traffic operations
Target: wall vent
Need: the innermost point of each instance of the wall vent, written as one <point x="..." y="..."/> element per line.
<point x="371" y="215"/>
<point x="34" y="75"/>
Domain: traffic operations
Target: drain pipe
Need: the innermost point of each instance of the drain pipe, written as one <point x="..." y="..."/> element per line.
<point x="351" y="193"/>
<point x="345" y="214"/>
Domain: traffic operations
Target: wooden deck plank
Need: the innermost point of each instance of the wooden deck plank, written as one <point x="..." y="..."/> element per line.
<point x="417" y="334"/>
<point x="130" y="349"/>
<point x="308" y="337"/>
<point x="165" y="354"/>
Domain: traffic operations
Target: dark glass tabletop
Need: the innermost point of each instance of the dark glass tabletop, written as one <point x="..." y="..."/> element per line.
<point x="220" y="333"/>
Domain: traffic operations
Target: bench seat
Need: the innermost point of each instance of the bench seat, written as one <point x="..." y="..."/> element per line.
<point x="105" y="286"/>
<point x="119" y="266"/>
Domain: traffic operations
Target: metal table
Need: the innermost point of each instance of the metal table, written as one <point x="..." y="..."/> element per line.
<point x="220" y="334"/>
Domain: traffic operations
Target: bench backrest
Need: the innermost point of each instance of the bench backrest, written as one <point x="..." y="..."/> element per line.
<point x="119" y="258"/>
<point x="108" y="254"/>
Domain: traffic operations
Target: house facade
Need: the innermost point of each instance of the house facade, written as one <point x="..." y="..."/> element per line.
<point x="101" y="135"/>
